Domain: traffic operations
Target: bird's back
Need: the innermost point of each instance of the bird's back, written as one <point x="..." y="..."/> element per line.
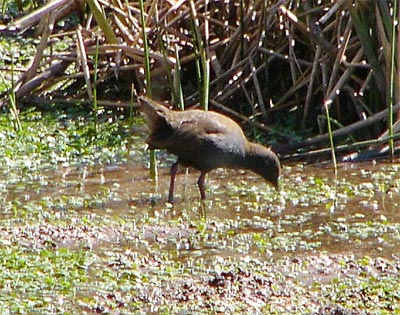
<point x="203" y="139"/>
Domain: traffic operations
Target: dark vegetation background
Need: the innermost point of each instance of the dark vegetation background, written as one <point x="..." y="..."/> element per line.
<point x="274" y="66"/>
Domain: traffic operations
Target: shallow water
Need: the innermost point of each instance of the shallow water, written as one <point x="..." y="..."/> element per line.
<point x="125" y="244"/>
<point x="311" y="203"/>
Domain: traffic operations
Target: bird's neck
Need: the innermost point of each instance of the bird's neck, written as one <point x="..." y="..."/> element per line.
<point x="251" y="158"/>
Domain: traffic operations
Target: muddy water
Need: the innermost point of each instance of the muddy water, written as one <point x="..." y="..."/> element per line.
<point x="356" y="212"/>
<point x="109" y="235"/>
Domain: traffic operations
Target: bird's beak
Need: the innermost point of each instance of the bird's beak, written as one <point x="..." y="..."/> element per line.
<point x="276" y="185"/>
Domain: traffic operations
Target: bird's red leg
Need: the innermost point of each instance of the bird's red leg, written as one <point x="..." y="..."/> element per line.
<point x="174" y="169"/>
<point x="201" y="185"/>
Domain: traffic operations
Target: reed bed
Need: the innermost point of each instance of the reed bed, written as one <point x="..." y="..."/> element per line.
<point x="290" y="69"/>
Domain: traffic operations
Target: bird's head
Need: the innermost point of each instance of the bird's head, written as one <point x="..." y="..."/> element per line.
<point x="265" y="163"/>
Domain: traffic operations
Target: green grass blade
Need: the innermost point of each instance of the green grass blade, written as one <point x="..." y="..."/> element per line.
<point x="95" y="75"/>
<point x="328" y="120"/>
<point x="101" y="19"/>
<point x="153" y="157"/>
<point x="392" y="82"/>
<point x="177" y="86"/>
<point x="202" y="62"/>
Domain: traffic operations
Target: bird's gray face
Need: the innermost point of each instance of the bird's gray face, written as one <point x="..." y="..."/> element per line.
<point x="271" y="172"/>
<point x="265" y="163"/>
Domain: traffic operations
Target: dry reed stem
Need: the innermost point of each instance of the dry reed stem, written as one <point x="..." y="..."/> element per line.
<point x="347" y="130"/>
<point x="84" y="63"/>
<point x="289" y="55"/>
<point x="310" y="89"/>
<point x="48" y="29"/>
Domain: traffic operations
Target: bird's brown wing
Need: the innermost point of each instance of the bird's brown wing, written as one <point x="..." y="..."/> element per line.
<point x="197" y="134"/>
<point x="203" y="123"/>
<point x="173" y="127"/>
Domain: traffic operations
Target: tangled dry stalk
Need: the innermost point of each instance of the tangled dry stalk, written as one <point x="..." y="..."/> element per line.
<point x="285" y="59"/>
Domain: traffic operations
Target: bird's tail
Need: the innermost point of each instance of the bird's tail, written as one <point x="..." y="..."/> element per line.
<point x="154" y="113"/>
